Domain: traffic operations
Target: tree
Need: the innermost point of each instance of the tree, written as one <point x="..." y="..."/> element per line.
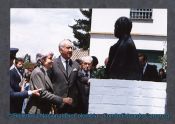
<point x="82" y="28"/>
<point x="27" y="58"/>
<point x="163" y="60"/>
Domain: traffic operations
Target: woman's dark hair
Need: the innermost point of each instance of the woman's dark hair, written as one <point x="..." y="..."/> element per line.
<point x="94" y="61"/>
<point x="164" y="74"/>
<point x="161" y="70"/>
<point x="27" y="75"/>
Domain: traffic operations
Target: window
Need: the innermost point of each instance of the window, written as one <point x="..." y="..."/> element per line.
<point x="141" y="14"/>
<point x="153" y="56"/>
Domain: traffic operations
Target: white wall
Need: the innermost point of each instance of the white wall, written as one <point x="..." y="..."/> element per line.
<point x="157" y="27"/>
<point x="126" y="96"/>
<point x="100" y="45"/>
<point x="103" y="20"/>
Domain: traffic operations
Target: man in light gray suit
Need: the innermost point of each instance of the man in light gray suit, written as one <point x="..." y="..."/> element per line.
<point x="65" y="77"/>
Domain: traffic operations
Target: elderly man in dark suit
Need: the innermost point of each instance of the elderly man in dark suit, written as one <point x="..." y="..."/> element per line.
<point x="123" y="60"/>
<point x="84" y="82"/>
<point x="149" y="72"/>
<point x="44" y="104"/>
<point x="64" y="76"/>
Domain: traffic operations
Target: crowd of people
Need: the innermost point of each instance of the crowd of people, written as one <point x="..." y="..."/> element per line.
<point x="61" y="85"/>
<point x="52" y="86"/>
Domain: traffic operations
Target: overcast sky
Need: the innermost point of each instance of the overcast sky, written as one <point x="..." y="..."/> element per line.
<point x="40" y="30"/>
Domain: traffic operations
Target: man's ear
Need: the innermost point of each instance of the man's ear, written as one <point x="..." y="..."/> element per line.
<point x="60" y="50"/>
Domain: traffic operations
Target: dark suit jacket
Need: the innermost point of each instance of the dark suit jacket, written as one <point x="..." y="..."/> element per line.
<point x="150" y="73"/>
<point x="42" y="104"/>
<point x="123" y="60"/>
<point x="84" y="88"/>
<point x="16" y="100"/>
<point x="66" y="86"/>
<point x="15" y="80"/>
<point x="84" y="82"/>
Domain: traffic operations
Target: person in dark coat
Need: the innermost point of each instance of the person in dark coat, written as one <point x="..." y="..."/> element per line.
<point x="162" y="75"/>
<point x="44" y="104"/>
<point x="16" y="74"/>
<point x="16" y="79"/>
<point x="17" y="93"/>
<point x="17" y="98"/>
<point x="84" y="83"/>
<point x="94" y="63"/>
<point x="123" y="60"/>
<point x="13" y="52"/>
<point x="149" y="72"/>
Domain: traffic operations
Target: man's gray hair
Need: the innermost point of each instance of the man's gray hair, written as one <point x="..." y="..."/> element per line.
<point x="87" y="59"/>
<point x="63" y="42"/>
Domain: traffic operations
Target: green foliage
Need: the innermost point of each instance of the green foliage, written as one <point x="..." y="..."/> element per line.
<point x="82" y="28"/>
<point x="163" y="60"/>
<point x="27" y="58"/>
<point x="100" y="73"/>
<point x="86" y="13"/>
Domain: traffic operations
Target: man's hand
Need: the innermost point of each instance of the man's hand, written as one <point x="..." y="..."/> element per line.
<point x="67" y="100"/>
<point x="35" y="92"/>
<point x="22" y="83"/>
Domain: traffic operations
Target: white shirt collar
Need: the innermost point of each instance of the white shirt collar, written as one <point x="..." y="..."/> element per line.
<point x="85" y="73"/>
<point x="12" y="66"/>
<point x="145" y="68"/>
<point x="18" y="72"/>
<point x="45" y="69"/>
<point x="63" y="60"/>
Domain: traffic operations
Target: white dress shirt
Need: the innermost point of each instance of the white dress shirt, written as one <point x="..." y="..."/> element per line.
<point x="63" y="60"/>
<point x="144" y="68"/>
<point x="86" y="72"/>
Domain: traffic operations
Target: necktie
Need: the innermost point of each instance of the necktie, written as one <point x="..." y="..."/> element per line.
<point x="67" y="67"/>
<point x="86" y="74"/>
<point x="142" y="72"/>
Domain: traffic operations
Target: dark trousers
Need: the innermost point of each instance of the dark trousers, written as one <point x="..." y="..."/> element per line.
<point x="66" y="109"/>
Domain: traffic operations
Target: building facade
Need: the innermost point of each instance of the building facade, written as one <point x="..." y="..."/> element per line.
<point x="149" y="32"/>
